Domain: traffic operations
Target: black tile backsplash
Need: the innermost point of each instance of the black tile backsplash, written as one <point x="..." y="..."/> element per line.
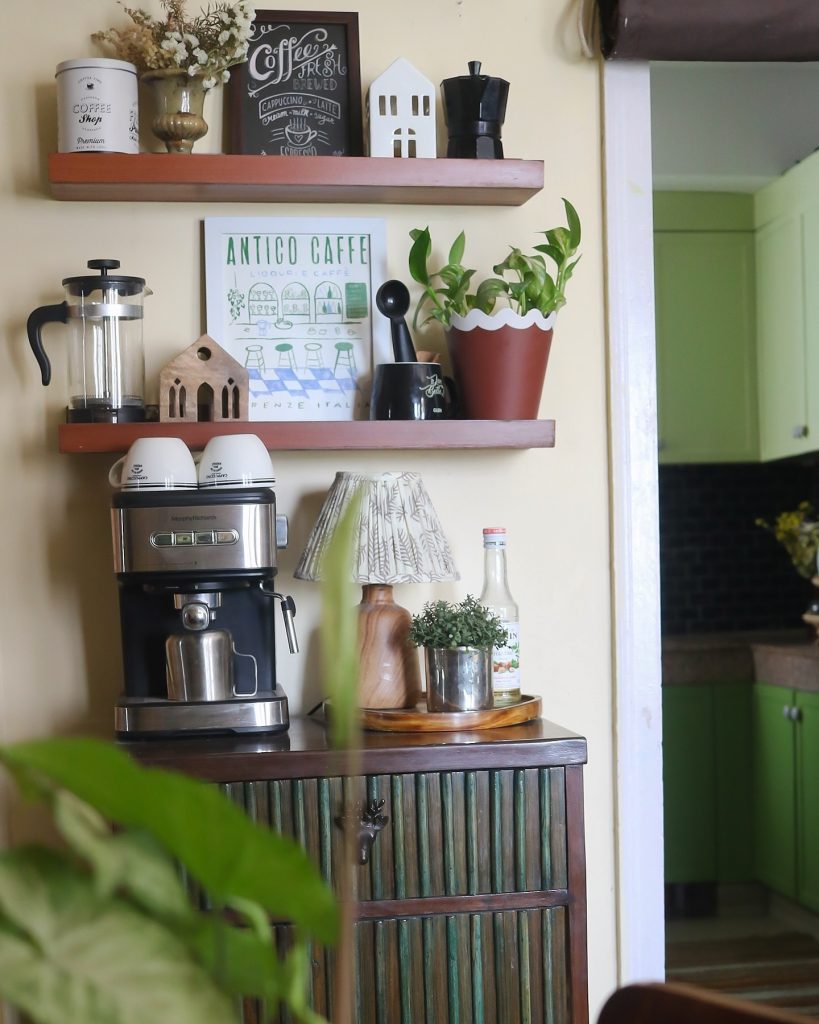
<point x="719" y="571"/>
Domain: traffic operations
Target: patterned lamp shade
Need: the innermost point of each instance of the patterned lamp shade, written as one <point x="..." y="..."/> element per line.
<point x="398" y="537"/>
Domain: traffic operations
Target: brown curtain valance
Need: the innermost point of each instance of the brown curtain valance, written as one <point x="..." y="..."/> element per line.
<point x="730" y="30"/>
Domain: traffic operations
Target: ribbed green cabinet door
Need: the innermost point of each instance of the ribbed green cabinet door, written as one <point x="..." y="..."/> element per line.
<point x="706" y="366"/>
<point x="807" y="759"/>
<point x="774" y="789"/>
<point x="783" y="410"/>
<point x="689" y="784"/>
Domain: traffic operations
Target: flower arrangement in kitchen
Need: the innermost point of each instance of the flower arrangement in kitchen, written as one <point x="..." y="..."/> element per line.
<point x="205" y="45"/>
<point x="798" y="533"/>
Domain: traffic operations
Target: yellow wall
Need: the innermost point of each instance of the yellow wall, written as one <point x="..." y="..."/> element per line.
<point x="60" y="662"/>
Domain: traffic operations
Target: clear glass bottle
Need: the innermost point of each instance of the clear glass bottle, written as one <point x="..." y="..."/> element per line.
<point x="496" y="596"/>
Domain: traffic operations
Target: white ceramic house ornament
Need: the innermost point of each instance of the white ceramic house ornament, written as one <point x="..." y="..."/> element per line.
<point x="401" y="104"/>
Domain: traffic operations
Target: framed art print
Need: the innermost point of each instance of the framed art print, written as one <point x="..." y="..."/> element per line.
<point x="299" y="92"/>
<point x="292" y="299"/>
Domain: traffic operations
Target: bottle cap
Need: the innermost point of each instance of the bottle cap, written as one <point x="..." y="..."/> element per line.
<point x="494" y="536"/>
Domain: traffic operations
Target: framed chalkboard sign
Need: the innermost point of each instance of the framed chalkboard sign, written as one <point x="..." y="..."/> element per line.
<point x="299" y="93"/>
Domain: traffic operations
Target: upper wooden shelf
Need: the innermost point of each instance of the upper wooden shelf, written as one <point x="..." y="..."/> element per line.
<point x="363" y="435"/>
<point x="213" y="177"/>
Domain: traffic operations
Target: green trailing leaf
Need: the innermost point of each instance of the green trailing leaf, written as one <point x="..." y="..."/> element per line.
<point x="456" y="253"/>
<point x="70" y="956"/>
<point x="532" y="285"/>
<point x="228" y="854"/>
<point x="339" y="630"/>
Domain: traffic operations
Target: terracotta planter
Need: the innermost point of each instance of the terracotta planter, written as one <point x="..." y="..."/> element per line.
<point x="499" y="363"/>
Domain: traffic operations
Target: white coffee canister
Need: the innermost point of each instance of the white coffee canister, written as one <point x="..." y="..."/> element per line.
<point x="97" y="106"/>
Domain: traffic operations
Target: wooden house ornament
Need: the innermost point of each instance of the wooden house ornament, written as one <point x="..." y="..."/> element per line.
<point x="203" y="384"/>
<point x="401" y="104"/>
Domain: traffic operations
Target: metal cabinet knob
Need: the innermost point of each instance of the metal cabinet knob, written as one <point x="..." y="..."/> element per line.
<point x="800" y="430"/>
<point x="368" y="825"/>
<point x="786" y="711"/>
<point x="796" y="714"/>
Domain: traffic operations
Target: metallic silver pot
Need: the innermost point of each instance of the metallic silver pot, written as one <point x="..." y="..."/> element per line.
<point x="459" y="678"/>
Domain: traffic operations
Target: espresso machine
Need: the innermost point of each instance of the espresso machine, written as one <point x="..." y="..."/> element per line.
<point x="196" y="573"/>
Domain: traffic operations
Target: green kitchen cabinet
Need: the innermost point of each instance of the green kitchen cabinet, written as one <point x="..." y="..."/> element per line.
<point x="689" y="785"/>
<point x="783" y="398"/>
<point x="786" y="737"/>
<point x="775" y="789"/>
<point x="704" y="269"/>
<point x="708" y="810"/>
<point x="786" y="219"/>
<point x="807" y="777"/>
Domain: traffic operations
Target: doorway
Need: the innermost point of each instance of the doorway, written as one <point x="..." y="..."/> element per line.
<point x="629" y="184"/>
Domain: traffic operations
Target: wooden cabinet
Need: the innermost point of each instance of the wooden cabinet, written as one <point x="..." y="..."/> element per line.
<point x="471" y="906"/>
<point x="707" y="794"/>
<point x="705" y="325"/>
<point x="786" y="741"/>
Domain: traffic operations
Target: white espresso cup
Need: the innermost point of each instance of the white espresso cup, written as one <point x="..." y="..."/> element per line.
<point x="155" y="464"/>
<point x="235" y="460"/>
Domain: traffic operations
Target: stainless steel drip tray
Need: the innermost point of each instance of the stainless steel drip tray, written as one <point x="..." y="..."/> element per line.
<point x="151" y="717"/>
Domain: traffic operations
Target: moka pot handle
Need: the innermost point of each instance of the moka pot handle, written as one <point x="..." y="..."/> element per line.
<point x="44" y="315"/>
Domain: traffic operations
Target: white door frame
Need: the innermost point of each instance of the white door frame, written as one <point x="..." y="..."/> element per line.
<point x="634" y="521"/>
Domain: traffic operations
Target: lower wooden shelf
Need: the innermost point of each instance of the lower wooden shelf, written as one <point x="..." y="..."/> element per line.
<point x="363" y="435"/>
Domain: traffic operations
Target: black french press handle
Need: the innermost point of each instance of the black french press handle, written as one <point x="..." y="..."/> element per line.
<point x="44" y="315"/>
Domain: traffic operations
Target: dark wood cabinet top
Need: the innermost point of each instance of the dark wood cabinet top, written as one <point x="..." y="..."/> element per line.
<point x="304" y="752"/>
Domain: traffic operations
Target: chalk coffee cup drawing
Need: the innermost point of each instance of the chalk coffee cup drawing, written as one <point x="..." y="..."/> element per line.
<point x="155" y="464"/>
<point x="299" y="136"/>
<point x="235" y="460"/>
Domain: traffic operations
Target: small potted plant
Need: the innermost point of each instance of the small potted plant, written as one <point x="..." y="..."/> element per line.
<point x="458" y="641"/>
<point x="499" y="332"/>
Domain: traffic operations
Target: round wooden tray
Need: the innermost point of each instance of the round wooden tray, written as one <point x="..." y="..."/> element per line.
<point x="418" y="719"/>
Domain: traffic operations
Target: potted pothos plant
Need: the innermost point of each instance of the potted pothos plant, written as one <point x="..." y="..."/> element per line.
<point x="499" y="330"/>
<point x="458" y="641"/>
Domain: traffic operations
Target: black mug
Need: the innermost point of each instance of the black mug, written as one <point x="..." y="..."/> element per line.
<point x="411" y="391"/>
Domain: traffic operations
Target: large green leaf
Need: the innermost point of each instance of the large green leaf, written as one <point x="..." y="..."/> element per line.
<point x="232" y="857"/>
<point x="339" y="630"/>
<point x="125" y="860"/>
<point x="69" y="956"/>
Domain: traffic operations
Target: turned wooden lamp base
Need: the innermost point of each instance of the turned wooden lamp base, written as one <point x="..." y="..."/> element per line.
<point x="389" y="674"/>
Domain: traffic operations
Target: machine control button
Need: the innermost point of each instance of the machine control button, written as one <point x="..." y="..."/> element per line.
<point x="162" y="540"/>
<point x="204" y="538"/>
<point x="226" y="537"/>
<point x="183" y="538"/>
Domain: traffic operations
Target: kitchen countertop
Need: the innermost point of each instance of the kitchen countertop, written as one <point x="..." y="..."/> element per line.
<point x="698" y="658"/>
<point x="795" y="666"/>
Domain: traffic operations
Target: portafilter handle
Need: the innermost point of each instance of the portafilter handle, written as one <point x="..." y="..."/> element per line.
<point x="288" y="614"/>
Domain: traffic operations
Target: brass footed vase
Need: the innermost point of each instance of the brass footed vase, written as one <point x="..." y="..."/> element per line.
<point x="179" y="101"/>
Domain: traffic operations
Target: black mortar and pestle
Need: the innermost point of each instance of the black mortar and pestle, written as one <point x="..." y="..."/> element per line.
<point x="406" y="389"/>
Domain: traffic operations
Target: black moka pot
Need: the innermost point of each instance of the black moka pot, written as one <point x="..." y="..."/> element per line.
<point x="474" y="109"/>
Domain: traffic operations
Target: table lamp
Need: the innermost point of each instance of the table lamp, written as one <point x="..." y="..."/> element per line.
<point x="398" y="539"/>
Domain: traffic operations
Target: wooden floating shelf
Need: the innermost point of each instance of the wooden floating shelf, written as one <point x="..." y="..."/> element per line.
<point x="214" y="177"/>
<point x="362" y="435"/>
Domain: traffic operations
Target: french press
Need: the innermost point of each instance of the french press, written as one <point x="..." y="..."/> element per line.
<point x="106" y="363"/>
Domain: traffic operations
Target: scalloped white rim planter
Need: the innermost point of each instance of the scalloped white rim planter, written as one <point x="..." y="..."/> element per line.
<point x="503" y="317"/>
